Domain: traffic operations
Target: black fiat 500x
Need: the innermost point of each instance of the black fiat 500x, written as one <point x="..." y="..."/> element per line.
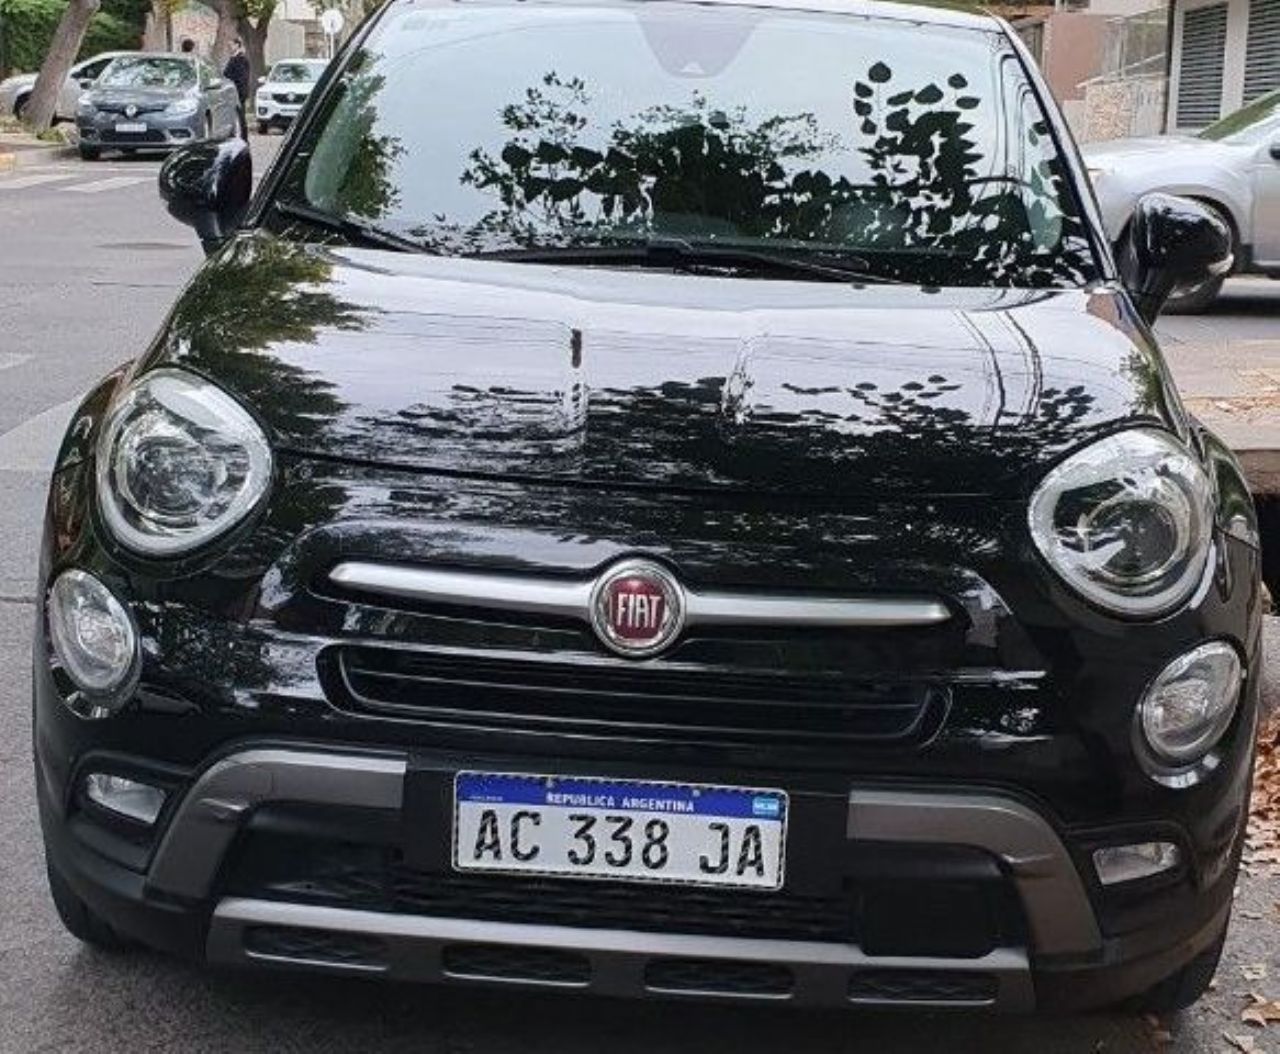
<point x="659" y="499"/>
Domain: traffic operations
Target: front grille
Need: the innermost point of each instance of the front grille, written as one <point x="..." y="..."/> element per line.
<point x="604" y="697"/>
<point x="110" y="135"/>
<point x="508" y="963"/>
<point x="718" y="976"/>
<point x="922" y="986"/>
<point x="310" y="945"/>
<point x="289" y="97"/>
<point x="139" y="109"/>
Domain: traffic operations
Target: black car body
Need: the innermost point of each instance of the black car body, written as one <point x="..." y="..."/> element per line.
<point x="494" y="525"/>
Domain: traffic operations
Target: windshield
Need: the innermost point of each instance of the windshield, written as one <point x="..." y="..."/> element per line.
<point x="921" y="151"/>
<point x="295" y="73"/>
<point x="148" y="72"/>
<point x="1249" y="124"/>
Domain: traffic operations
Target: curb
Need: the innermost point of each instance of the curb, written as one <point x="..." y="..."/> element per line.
<point x="11" y="160"/>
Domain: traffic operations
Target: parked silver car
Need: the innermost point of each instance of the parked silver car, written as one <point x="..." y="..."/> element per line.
<point x="156" y="102"/>
<point x="15" y="91"/>
<point x="1232" y="166"/>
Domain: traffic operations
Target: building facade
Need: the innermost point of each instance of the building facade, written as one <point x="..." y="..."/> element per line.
<point x="1223" y="54"/>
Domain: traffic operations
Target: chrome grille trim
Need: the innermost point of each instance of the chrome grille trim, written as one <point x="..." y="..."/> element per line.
<point x="572" y="599"/>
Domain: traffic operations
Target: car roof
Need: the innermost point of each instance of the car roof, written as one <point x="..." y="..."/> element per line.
<point x="919" y="14"/>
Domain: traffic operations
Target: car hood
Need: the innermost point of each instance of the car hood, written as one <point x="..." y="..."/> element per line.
<point x="138" y="96"/>
<point x="608" y="376"/>
<point x="1153" y="150"/>
<point x="20" y="80"/>
<point x="296" y="87"/>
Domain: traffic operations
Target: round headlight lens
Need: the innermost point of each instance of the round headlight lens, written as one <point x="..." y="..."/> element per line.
<point x="1189" y="706"/>
<point x="1126" y="522"/>
<point x="91" y="633"/>
<point x="180" y="462"/>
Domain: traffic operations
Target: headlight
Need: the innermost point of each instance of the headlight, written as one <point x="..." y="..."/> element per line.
<point x="1126" y="522"/>
<point x="1190" y="704"/>
<point x="181" y="108"/>
<point x="180" y="462"/>
<point x="86" y="107"/>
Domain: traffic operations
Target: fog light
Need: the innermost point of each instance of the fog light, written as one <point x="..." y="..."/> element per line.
<point x="1125" y="863"/>
<point x="92" y="634"/>
<point x="1189" y="706"/>
<point x="138" y="801"/>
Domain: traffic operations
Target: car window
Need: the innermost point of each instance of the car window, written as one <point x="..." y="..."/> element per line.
<point x="925" y="151"/>
<point x="141" y="71"/>
<point x="1249" y="124"/>
<point x="294" y="73"/>
<point x="91" y="70"/>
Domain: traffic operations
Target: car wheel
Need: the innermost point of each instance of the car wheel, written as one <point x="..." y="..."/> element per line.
<point x="1187" y="985"/>
<point x="79" y="918"/>
<point x="20" y="104"/>
<point x="89" y="153"/>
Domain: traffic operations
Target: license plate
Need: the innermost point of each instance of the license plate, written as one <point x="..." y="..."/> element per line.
<point x="127" y="127"/>
<point x="628" y="830"/>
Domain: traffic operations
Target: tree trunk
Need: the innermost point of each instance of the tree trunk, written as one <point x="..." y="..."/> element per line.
<point x="40" y="108"/>
<point x="225" y="34"/>
<point x="255" y="47"/>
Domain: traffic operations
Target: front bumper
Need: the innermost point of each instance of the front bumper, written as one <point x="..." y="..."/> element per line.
<point x="181" y="895"/>
<point x="269" y="111"/>
<point x="158" y="131"/>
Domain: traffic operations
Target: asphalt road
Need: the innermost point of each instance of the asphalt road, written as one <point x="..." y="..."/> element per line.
<point x="89" y="263"/>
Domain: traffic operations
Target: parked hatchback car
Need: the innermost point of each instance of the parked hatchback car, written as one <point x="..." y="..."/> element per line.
<point x="651" y="526"/>
<point x="16" y="91"/>
<point x="153" y="101"/>
<point x="1232" y="168"/>
<point x="283" y="90"/>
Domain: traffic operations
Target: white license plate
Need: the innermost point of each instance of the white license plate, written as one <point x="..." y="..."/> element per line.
<point x="629" y="830"/>
<point x="127" y="127"/>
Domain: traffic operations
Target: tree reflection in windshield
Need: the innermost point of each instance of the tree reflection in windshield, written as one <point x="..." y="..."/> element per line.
<point x="707" y="174"/>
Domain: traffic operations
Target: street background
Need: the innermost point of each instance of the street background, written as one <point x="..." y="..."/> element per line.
<point x="89" y="264"/>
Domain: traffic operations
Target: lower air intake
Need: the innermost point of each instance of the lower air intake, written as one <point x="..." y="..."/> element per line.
<point x="315" y="946"/>
<point x="718" y="976"/>
<point x="498" y="962"/>
<point x="922" y="986"/>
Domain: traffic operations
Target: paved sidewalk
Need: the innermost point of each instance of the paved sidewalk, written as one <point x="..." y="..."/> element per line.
<point x="18" y="150"/>
<point x="1231" y="381"/>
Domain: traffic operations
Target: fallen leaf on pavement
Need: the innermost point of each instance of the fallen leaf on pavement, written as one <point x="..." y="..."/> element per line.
<point x="1254" y="971"/>
<point x="1247" y="1044"/>
<point x="1261" y="1011"/>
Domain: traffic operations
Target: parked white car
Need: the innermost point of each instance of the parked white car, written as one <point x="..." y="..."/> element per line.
<point x="16" y="91"/>
<point x="1233" y="166"/>
<point x="284" y="89"/>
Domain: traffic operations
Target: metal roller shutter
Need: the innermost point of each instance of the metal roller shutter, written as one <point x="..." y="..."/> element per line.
<point x="1204" y="47"/>
<point x="1262" y="55"/>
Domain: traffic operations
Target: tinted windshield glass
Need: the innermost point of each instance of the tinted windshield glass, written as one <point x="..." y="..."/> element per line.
<point x="149" y="73"/>
<point x="294" y="73"/>
<point x="923" y="151"/>
<point x="1247" y="124"/>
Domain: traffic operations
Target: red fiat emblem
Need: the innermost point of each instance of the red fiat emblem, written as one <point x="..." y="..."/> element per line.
<point x="637" y="608"/>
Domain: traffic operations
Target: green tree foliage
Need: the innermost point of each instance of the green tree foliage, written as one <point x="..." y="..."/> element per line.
<point x="29" y="26"/>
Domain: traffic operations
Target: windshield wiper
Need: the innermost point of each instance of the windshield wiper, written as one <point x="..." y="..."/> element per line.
<point x="350" y="228"/>
<point x="676" y="253"/>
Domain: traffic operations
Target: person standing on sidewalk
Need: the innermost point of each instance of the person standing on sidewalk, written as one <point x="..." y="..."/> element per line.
<point x="237" y="72"/>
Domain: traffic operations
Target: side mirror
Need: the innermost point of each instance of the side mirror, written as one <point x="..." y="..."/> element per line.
<point x="262" y="80"/>
<point x="207" y="186"/>
<point x="1172" y="242"/>
<point x="86" y="83"/>
<point x="215" y="83"/>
